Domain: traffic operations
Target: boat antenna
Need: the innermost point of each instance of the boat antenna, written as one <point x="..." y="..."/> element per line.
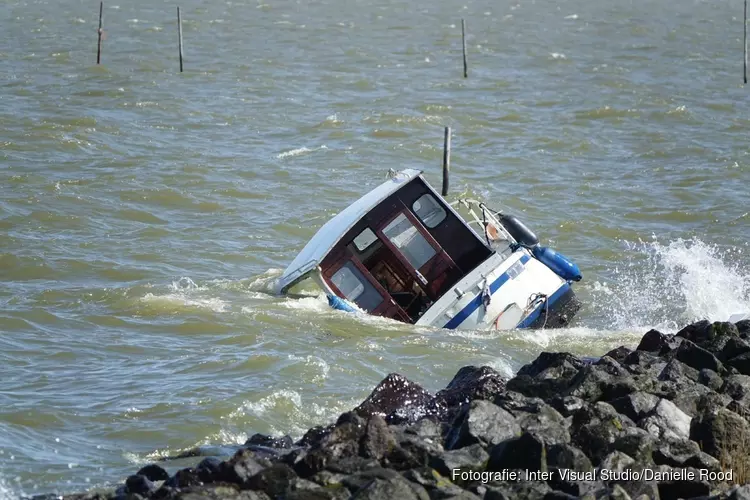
<point x="446" y="160"/>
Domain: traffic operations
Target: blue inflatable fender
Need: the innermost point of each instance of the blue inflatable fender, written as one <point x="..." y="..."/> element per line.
<point x="340" y="304"/>
<point x="558" y="263"/>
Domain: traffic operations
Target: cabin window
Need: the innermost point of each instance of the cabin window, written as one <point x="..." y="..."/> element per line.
<point x="409" y="241"/>
<point x="365" y="239"/>
<point x="355" y="287"/>
<point x="429" y="210"/>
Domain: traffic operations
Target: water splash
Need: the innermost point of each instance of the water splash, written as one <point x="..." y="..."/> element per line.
<point x="6" y="492"/>
<point x="669" y="285"/>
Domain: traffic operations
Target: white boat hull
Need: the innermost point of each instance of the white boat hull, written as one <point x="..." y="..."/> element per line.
<point x="521" y="290"/>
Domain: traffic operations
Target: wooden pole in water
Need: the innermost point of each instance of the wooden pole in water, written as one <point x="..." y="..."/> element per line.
<point x="99" y="44"/>
<point x="179" y="33"/>
<point x="744" y="44"/>
<point x="463" y="43"/>
<point x="446" y="159"/>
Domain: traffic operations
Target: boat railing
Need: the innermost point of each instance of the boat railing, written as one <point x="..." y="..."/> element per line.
<point x="494" y="233"/>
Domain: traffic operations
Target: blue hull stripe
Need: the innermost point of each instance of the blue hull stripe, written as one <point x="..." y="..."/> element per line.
<point x="472" y="306"/>
<point x="550" y="304"/>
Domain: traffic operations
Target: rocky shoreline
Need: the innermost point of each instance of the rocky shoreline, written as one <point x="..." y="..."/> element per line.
<point x="668" y="419"/>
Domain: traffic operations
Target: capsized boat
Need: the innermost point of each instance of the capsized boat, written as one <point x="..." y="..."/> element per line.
<point x="403" y="252"/>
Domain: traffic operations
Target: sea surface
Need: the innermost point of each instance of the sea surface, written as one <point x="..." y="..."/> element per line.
<point x="145" y="213"/>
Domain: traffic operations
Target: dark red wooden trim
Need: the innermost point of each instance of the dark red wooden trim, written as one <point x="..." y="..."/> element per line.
<point x="387" y="304"/>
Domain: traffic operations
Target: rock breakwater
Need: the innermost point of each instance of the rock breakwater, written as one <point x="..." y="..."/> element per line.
<point x="667" y="419"/>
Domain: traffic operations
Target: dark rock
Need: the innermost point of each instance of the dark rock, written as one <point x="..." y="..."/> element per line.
<point x="342" y="442"/>
<point x="437" y="486"/>
<point x="357" y="481"/>
<point x="643" y="359"/>
<point x="426" y="429"/>
<point x="559" y="495"/>
<point x="139" y="485"/>
<point x="467" y="458"/>
<point x="724" y="435"/>
<point x="545" y="421"/>
<point x="413" y="451"/>
<point x="481" y="422"/>
<point x="595" y="429"/>
<point x="710" y="379"/>
<point x="315" y="435"/>
<point x="610" y="366"/>
<point x="727" y="348"/>
<point x="548" y="375"/>
<point x="352" y="465"/>
<point x="217" y="492"/>
<point x="743" y="327"/>
<point x="301" y="489"/>
<point x="667" y="421"/>
<point x="711" y="403"/>
<point x="283" y="442"/>
<point x="391" y="488"/>
<point x="471" y="383"/>
<point x="535" y="416"/>
<point x="563" y="456"/>
<point x="240" y="468"/>
<point x="378" y="440"/>
<point x="703" y="331"/>
<point x="737" y="387"/>
<point x="636" y="443"/>
<point x="567" y="405"/>
<point x="525" y="452"/>
<point x="617" y="461"/>
<point x="619" y="353"/>
<point x="153" y="473"/>
<point x="273" y="480"/>
<point x="183" y="478"/>
<point x="684" y="488"/>
<point x="531" y="490"/>
<point x="741" y="363"/>
<point x="552" y="365"/>
<point x="689" y="397"/>
<point x="683" y="453"/>
<point x="618" y="493"/>
<point x="636" y="405"/>
<point x="592" y="383"/>
<point x="740" y="492"/>
<point x="209" y="469"/>
<point x="653" y="341"/>
<point x="695" y="356"/>
<point x="397" y="395"/>
<point x="677" y="371"/>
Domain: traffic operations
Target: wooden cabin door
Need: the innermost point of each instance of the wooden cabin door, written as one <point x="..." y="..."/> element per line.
<point x="348" y="278"/>
<point x="418" y="251"/>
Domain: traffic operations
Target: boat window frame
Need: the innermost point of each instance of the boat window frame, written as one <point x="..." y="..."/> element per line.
<point x="367" y="286"/>
<point x="371" y="243"/>
<point x="436" y="204"/>
<point x="402" y="248"/>
<point x="416" y="273"/>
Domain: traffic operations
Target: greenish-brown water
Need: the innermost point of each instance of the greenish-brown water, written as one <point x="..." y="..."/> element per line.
<point x="144" y="214"/>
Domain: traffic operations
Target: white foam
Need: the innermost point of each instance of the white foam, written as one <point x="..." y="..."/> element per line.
<point x="266" y="282"/>
<point x="283" y="397"/>
<point x="174" y="299"/>
<point x="572" y="16"/>
<point x="298" y="151"/>
<point x="666" y="286"/>
<point x="315" y="362"/>
<point x="6" y="492"/>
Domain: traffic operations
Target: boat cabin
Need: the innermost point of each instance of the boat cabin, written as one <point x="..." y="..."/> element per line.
<point x="394" y="252"/>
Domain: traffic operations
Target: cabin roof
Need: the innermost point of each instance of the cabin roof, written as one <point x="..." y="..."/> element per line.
<point x="333" y="230"/>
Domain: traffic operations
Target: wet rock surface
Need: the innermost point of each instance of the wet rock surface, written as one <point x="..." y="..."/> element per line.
<point x="668" y="419"/>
